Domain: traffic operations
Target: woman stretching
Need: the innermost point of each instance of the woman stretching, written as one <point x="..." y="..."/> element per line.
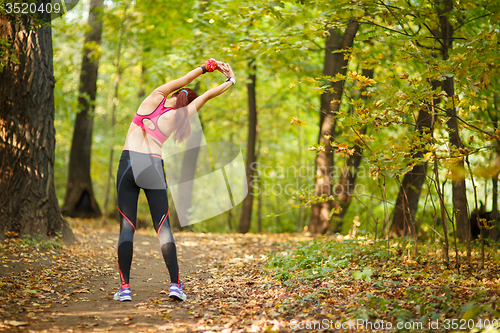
<point x="141" y="166"/>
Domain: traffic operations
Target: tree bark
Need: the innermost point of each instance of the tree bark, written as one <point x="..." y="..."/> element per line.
<point x="188" y="171"/>
<point x="409" y="191"/>
<point x="495" y="233"/>
<point x="335" y="63"/>
<point x="28" y="202"/>
<point x="494" y="213"/>
<point x="443" y="8"/>
<point x="80" y="200"/>
<point x="246" y="213"/>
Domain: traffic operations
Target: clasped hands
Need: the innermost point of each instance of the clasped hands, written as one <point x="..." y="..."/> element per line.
<point x="224" y="68"/>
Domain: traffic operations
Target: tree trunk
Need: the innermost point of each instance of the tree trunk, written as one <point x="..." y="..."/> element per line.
<point x="80" y="200"/>
<point x="335" y="63"/>
<point x="188" y="170"/>
<point x="345" y="186"/>
<point x="409" y="192"/>
<point x="28" y="202"/>
<point x="495" y="117"/>
<point x="494" y="213"/>
<point x="495" y="233"/>
<point x="444" y="7"/>
<point x="246" y="213"/>
<point x="113" y="114"/>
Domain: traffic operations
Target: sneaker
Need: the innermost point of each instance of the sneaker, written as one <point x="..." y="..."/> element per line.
<point x="177" y="292"/>
<point x="123" y="294"/>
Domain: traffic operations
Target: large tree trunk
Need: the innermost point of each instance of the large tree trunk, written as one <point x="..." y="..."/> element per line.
<point x="409" y="190"/>
<point x="335" y="63"/>
<point x="191" y="156"/>
<point x="444" y="7"/>
<point x="119" y="70"/>
<point x="80" y="200"/>
<point x="188" y="171"/>
<point x="347" y="181"/>
<point x="246" y="213"/>
<point x="458" y="186"/>
<point x="28" y="202"/>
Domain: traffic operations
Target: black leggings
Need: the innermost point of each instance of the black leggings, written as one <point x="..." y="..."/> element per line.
<point x="136" y="171"/>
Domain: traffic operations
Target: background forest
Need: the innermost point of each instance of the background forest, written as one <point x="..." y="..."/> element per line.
<point x="397" y="91"/>
<point x="370" y="130"/>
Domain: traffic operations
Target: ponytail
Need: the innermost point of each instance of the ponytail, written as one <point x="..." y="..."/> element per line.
<point x="183" y="128"/>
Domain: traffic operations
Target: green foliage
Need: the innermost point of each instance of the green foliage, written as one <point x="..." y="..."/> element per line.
<point x="28" y="243"/>
<point x="374" y="281"/>
<point x="364" y="275"/>
<point x="322" y="257"/>
<point x="287" y="39"/>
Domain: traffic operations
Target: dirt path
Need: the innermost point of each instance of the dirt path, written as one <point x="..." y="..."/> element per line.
<point x="46" y="287"/>
<point x="71" y="289"/>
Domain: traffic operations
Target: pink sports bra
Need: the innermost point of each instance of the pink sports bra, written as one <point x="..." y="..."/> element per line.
<point x="155" y="133"/>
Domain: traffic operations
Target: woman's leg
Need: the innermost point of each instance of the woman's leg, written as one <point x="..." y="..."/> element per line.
<point x="128" y="193"/>
<point x="158" y="205"/>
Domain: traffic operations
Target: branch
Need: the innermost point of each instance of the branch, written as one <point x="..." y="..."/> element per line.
<point x="463" y="121"/>
<point x="432" y="33"/>
<point x="386" y="28"/>
<point x="426" y="47"/>
<point x="320" y="48"/>
<point x="363" y="141"/>
<point x="394" y="15"/>
<point x="472" y="19"/>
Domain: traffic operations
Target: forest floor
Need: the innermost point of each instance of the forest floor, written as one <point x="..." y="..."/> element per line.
<point x="49" y="287"/>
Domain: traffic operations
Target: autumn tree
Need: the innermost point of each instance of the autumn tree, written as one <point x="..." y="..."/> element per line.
<point x="346" y="184"/>
<point x="336" y="59"/>
<point x="28" y="202"/>
<point x="445" y="39"/>
<point x="411" y="186"/>
<point x="246" y="213"/>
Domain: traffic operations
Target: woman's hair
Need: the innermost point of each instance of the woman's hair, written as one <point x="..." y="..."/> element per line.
<point x="183" y="128"/>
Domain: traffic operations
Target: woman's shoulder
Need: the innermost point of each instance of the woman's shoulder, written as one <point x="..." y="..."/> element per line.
<point x="150" y="103"/>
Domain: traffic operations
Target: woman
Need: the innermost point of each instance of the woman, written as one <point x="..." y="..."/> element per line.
<point x="141" y="166"/>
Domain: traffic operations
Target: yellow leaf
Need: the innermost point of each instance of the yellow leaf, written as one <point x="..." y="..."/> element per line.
<point x="344" y="150"/>
<point x="404" y="76"/>
<point x="485" y="79"/>
<point x="297" y="122"/>
<point x="375" y="172"/>
<point x="335" y="211"/>
<point x="451" y="161"/>
<point x="443" y="95"/>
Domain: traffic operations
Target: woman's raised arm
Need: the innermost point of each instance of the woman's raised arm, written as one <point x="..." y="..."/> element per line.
<point x="196" y="105"/>
<point x="169" y="87"/>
